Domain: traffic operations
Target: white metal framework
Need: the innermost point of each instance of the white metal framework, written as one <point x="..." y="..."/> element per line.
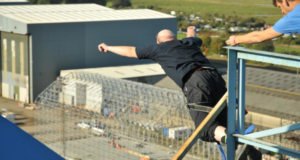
<point x="89" y="116"/>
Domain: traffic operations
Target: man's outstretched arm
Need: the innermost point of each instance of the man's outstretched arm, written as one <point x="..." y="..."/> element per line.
<point x="127" y="51"/>
<point x="253" y="37"/>
<point x="191" y="31"/>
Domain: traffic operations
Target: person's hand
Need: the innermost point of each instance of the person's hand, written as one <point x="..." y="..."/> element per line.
<point x="103" y="47"/>
<point x="191" y="31"/>
<point x="231" y="41"/>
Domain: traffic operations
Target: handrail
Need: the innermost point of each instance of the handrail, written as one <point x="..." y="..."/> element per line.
<point x="238" y="90"/>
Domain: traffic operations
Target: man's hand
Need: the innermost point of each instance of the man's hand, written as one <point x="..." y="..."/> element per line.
<point x="103" y="47"/>
<point x="191" y="31"/>
<point x="127" y="51"/>
<point x="231" y="41"/>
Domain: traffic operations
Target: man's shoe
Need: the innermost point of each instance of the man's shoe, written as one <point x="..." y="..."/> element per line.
<point x="241" y="152"/>
<point x="246" y="152"/>
<point x="254" y="154"/>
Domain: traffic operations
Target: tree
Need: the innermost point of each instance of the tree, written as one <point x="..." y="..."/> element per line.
<point x="212" y="23"/>
<point x="217" y="46"/>
<point x="33" y="1"/>
<point x="43" y="2"/>
<point x="121" y="3"/>
<point x="195" y="23"/>
<point x="185" y="24"/>
<point x="206" y="40"/>
<point x="258" y="23"/>
<point x="224" y="35"/>
<point x="297" y="40"/>
<point x="179" y="17"/>
<point x="101" y="2"/>
<point x="149" y="6"/>
<point x="205" y="50"/>
<point x="264" y="46"/>
<point x="287" y="40"/>
<point x="55" y="1"/>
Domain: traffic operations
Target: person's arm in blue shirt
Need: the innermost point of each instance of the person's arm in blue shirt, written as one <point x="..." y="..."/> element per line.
<point x="253" y="37"/>
<point x="127" y="51"/>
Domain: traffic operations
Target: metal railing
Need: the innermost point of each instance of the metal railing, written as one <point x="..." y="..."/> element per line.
<point x="237" y="57"/>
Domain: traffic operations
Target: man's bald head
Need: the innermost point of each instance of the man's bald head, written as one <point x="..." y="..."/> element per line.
<point x="164" y="36"/>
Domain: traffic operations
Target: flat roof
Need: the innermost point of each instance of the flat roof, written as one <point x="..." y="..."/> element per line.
<point x="132" y="71"/>
<point x="15" y="9"/>
<point x="37" y="14"/>
<point x="12" y="1"/>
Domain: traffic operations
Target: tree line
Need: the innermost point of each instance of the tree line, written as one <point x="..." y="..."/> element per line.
<point x="215" y="45"/>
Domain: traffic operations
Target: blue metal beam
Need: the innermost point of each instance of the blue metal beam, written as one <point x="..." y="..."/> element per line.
<point x="265" y="53"/>
<point x="274" y="131"/>
<point x="273" y="60"/>
<point x="19" y="145"/>
<point x="268" y="57"/>
<point x="267" y="146"/>
<point x="241" y="97"/>
<point x="231" y="121"/>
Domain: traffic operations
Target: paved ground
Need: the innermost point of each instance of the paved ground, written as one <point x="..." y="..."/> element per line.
<point x="24" y="117"/>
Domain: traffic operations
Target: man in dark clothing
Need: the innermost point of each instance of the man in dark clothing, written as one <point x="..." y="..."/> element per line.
<point x="185" y="64"/>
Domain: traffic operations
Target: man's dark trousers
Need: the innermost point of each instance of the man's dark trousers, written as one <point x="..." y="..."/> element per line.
<point x="206" y="87"/>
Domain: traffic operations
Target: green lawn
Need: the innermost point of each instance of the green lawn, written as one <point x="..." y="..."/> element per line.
<point x="181" y="35"/>
<point x="282" y="49"/>
<point x="243" y="8"/>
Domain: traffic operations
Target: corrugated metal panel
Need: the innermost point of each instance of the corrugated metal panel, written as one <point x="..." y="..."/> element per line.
<point x="86" y="16"/>
<point x="5" y="90"/>
<point x="4" y="62"/>
<point x="15" y="66"/>
<point x="24" y="94"/>
<point x="16" y="93"/>
<point x="13" y="1"/>
<point x="13" y="59"/>
<point x="51" y="8"/>
<point x="22" y="62"/>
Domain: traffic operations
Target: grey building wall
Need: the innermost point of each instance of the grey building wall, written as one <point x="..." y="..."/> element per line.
<point x="13" y="3"/>
<point x="11" y="25"/>
<point x="62" y="46"/>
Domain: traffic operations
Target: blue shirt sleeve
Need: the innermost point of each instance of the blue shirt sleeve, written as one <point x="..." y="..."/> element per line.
<point x="147" y="52"/>
<point x="283" y="26"/>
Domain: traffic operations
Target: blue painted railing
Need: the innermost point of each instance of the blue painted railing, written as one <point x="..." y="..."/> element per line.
<point x="16" y="144"/>
<point x="237" y="57"/>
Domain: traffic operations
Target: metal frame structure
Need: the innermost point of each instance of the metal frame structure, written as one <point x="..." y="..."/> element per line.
<point x="237" y="57"/>
<point x="139" y="128"/>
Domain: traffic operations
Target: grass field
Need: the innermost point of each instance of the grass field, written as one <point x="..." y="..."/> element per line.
<point x="243" y="8"/>
<point x="279" y="48"/>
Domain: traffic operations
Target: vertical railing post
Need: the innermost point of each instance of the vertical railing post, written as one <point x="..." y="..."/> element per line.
<point x="232" y="56"/>
<point x="241" y="97"/>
